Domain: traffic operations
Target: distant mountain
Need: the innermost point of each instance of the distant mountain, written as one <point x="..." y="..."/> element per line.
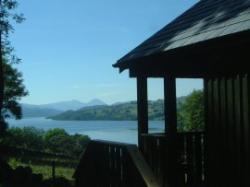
<point x="36" y="111"/>
<point x="117" y="111"/>
<point x="95" y="102"/>
<point x="51" y="109"/>
<point x="72" y="105"/>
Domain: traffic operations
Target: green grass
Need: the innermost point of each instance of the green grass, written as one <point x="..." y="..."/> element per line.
<point x="45" y="170"/>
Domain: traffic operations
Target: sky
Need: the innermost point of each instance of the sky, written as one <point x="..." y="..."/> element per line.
<point x="68" y="47"/>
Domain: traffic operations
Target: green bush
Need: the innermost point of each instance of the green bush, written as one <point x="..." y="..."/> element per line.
<point x="54" y="141"/>
<point x="191" y="112"/>
<point x="26" y="137"/>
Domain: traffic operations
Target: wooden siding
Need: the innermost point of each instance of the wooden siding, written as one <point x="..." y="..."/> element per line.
<point x="227" y="122"/>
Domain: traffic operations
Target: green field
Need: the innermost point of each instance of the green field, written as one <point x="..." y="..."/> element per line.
<point x="45" y="170"/>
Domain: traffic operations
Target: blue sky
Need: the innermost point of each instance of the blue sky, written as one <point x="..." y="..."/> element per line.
<point x="68" y="47"/>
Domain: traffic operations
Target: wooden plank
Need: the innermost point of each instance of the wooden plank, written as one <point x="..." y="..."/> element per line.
<point x="93" y="179"/>
<point x="224" y="136"/>
<point x="246" y="127"/>
<point x="142" y="167"/>
<point x="238" y="128"/>
<point x="180" y="159"/>
<point x="142" y="107"/>
<point x="105" y="163"/>
<point x="125" y="161"/>
<point x="161" y="151"/>
<point x="207" y="126"/>
<point x="231" y="132"/>
<point x="217" y="132"/>
<point x="209" y="120"/>
<point x="118" y="166"/>
<point x="190" y="160"/>
<point x="198" y="158"/>
<point x="112" y="161"/>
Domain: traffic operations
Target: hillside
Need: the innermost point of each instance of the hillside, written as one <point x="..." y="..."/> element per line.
<point x="123" y="111"/>
<point x="72" y="104"/>
<point x="52" y="109"/>
<point x="36" y="111"/>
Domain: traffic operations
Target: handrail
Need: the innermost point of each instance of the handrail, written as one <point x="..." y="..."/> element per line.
<point x="107" y="163"/>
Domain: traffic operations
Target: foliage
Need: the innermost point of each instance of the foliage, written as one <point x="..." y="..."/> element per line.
<point x="26" y="137"/>
<point x="54" y="141"/>
<point x="14" y="90"/>
<point x="59" y="141"/>
<point x="191" y="112"/>
<point x="11" y="83"/>
<point x="9" y="16"/>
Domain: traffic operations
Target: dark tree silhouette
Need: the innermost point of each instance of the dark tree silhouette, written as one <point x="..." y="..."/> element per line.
<point x="7" y="57"/>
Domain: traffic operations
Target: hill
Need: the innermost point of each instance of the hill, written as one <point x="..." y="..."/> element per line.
<point x="123" y="111"/>
<point x="52" y="109"/>
<point x="72" y="104"/>
<point x="36" y="111"/>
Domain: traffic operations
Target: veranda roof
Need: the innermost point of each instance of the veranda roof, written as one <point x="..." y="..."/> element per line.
<point x="208" y="20"/>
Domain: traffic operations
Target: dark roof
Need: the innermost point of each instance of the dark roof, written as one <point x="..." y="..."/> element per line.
<point x="206" y="20"/>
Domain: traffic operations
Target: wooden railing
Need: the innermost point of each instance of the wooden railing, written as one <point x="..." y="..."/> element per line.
<point x="190" y="157"/>
<point x="112" y="164"/>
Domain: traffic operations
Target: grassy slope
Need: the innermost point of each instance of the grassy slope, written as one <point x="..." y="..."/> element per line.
<point x="45" y="170"/>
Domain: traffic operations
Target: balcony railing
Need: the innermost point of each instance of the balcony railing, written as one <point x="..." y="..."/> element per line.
<point x="190" y="157"/>
<point x="112" y="164"/>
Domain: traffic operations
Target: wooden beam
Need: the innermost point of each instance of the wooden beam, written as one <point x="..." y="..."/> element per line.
<point x="171" y="130"/>
<point x="170" y="105"/>
<point x="142" y="107"/>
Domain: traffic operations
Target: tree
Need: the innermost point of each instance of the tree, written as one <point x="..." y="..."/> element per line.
<point x="13" y="92"/>
<point x="26" y="137"/>
<point x="59" y="141"/>
<point x="7" y="58"/>
<point x="191" y="112"/>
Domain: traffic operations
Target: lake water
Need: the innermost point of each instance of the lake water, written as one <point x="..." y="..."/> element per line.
<point x="120" y="131"/>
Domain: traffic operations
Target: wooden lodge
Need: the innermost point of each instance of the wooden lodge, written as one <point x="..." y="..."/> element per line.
<point x="211" y="41"/>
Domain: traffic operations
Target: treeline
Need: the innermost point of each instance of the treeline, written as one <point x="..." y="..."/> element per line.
<point x="55" y="141"/>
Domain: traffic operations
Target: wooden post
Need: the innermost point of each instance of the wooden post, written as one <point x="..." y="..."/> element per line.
<point x="142" y="107"/>
<point x="170" y="131"/>
<point x="170" y="106"/>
